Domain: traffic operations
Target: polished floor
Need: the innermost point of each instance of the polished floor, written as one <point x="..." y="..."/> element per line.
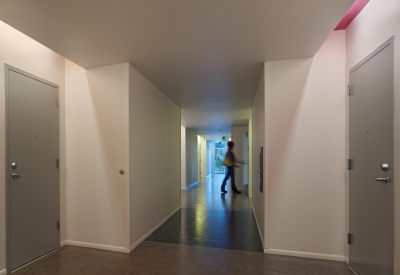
<point x="211" y="234"/>
<point x="211" y="219"/>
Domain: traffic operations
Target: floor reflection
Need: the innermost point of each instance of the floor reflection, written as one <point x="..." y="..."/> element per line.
<point x="211" y="219"/>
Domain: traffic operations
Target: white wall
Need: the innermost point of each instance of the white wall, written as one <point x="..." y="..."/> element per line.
<point x="208" y="157"/>
<point x="212" y="156"/>
<point x="203" y="157"/>
<point x="191" y="158"/>
<point x="377" y="22"/>
<point x="245" y="167"/>
<point x="183" y="157"/>
<point x="237" y="138"/>
<point x="155" y="155"/>
<point x="258" y="140"/>
<point x="96" y="136"/>
<point x="306" y="99"/>
<point x="198" y="157"/>
<point x="26" y="54"/>
<point x="251" y="182"/>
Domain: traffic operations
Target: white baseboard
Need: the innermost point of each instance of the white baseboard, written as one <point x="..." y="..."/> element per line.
<point x="136" y="244"/>
<point x="193" y="184"/>
<point x="305" y="254"/>
<point x="346" y="260"/>
<point x="259" y="231"/>
<point x="64" y="243"/>
<point x="3" y="272"/>
<point x="353" y="271"/>
<point x="98" y="246"/>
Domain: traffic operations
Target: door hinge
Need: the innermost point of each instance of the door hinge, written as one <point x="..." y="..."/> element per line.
<point x="58" y="225"/>
<point x="349" y="164"/>
<point x="349" y="238"/>
<point x="57" y="102"/>
<point x="350" y="90"/>
<point x="58" y="163"/>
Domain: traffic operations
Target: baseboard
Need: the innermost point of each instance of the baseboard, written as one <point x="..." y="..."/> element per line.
<point x="259" y="231"/>
<point x="3" y="272"/>
<point x="192" y="185"/>
<point x="64" y="243"/>
<point x="346" y="260"/>
<point x="136" y="244"/>
<point x="353" y="271"/>
<point x="305" y="255"/>
<point x="98" y="246"/>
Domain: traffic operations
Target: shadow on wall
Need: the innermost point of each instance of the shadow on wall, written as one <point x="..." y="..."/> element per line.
<point x="109" y="131"/>
<point x="296" y="78"/>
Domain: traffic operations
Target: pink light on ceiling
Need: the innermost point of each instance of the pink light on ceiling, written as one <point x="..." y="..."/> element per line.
<point x="354" y="10"/>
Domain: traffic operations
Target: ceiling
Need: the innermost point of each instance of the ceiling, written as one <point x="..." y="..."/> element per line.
<point x="205" y="55"/>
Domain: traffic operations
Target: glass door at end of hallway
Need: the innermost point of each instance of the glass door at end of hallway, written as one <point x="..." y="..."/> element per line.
<point x="220" y="152"/>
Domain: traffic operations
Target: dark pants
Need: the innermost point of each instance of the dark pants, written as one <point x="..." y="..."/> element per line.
<point x="230" y="172"/>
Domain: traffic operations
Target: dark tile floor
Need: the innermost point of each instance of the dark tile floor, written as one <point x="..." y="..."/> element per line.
<point x="166" y="258"/>
<point x="214" y="233"/>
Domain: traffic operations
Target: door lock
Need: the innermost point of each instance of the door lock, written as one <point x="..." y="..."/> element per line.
<point x="14" y="165"/>
<point x="16" y="176"/>
<point x="385" y="179"/>
<point x="385" y="167"/>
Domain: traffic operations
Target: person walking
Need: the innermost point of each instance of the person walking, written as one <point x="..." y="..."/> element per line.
<point x="230" y="162"/>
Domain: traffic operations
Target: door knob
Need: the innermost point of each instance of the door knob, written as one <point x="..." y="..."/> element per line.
<point x="385" y="179"/>
<point x="16" y="176"/>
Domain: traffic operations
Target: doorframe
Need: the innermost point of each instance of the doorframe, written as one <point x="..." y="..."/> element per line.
<point x="7" y="68"/>
<point x="380" y="48"/>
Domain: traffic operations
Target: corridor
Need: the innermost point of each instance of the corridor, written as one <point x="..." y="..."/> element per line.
<point x="211" y="219"/>
<point x="212" y="234"/>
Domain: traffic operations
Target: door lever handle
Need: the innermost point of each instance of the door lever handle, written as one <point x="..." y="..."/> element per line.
<point x="16" y="176"/>
<point x="385" y="179"/>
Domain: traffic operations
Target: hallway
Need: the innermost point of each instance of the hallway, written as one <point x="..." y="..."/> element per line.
<point x="211" y="234"/>
<point x="211" y="219"/>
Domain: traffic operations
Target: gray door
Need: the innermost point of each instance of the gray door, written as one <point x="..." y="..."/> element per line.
<point x="245" y="167"/>
<point x="371" y="146"/>
<point x="33" y="180"/>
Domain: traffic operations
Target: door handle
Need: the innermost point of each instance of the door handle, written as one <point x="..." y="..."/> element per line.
<point x="16" y="176"/>
<point x="385" y="179"/>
